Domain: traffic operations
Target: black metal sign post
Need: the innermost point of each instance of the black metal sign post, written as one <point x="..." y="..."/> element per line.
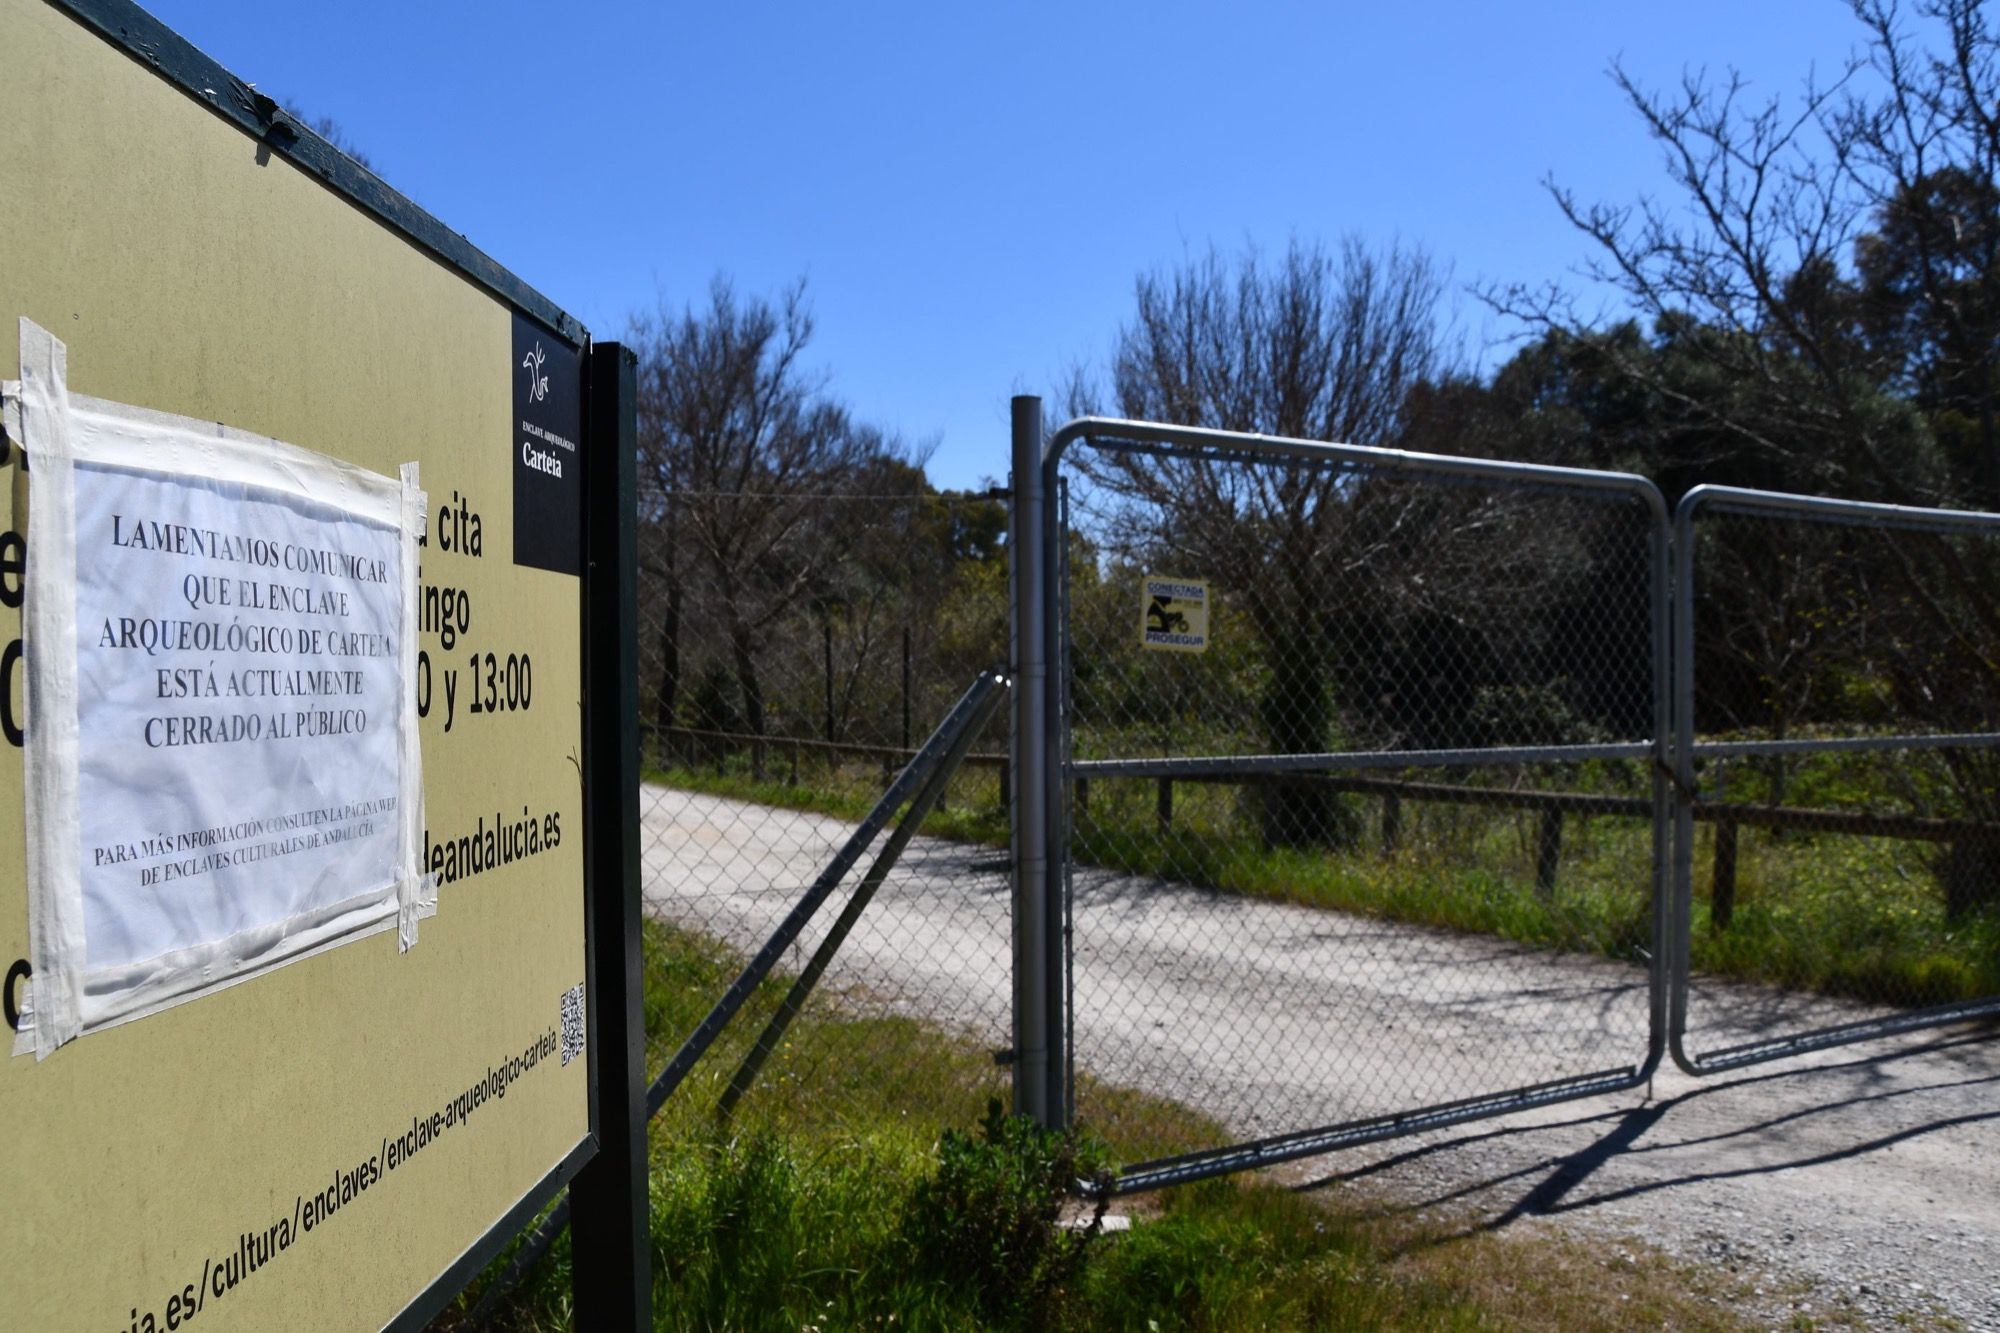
<point x="611" y="1267"/>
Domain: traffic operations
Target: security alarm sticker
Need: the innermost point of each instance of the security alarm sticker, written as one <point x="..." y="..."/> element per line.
<point x="1173" y="614"/>
<point x="222" y="769"/>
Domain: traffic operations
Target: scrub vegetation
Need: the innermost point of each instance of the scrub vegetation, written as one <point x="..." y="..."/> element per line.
<point x="838" y="1199"/>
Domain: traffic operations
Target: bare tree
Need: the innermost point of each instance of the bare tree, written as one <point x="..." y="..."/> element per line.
<point x="1320" y="345"/>
<point x="740" y="446"/>
<point x="1823" y="280"/>
<point x="1835" y="257"/>
<point x="1926" y="158"/>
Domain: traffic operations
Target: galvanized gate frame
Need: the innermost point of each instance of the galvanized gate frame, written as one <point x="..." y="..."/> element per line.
<point x="1686" y="750"/>
<point x="1043" y="1049"/>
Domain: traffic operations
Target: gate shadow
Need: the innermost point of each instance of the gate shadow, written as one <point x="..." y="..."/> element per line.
<point x="1550" y="1187"/>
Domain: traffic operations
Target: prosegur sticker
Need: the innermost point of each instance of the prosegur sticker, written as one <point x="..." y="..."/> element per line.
<point x="1173" y="615"/>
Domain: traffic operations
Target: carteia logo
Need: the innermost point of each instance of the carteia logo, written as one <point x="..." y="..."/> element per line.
<point x="538" y="383"/>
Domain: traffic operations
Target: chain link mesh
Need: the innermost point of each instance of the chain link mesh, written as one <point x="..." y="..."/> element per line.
<point x="1303" y="912"/>
<point x="1387" y="841"/>
<point x="1845" y="849"/>
<point x="794" y="651"/>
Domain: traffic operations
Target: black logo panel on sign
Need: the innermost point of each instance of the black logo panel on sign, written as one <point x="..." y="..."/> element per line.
<point x="548" y="461"/>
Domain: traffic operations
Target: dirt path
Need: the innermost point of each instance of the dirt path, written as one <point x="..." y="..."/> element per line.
<point x="1864" y="1180"/>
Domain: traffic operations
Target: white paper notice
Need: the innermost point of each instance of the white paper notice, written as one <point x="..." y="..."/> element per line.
<point x="238" y="755"/>
<point x="222" y="768"/>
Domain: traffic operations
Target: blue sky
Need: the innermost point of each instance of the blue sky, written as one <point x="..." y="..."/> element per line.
<point x="970" y="189"/>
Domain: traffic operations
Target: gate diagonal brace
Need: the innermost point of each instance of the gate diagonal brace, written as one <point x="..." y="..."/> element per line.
<point x="920" y="784"/>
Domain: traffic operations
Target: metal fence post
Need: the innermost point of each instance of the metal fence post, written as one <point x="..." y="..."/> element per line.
<point x="1664" y="600"/>
<point x="1678" y="952"/>
<point x="1028" y="761"/>
<point x="1056" y="789"/>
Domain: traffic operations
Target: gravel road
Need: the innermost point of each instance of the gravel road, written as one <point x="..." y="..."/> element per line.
<point x="1863" y="1181"/>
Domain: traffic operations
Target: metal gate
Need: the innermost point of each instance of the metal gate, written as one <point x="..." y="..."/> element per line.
<point x="1345" y="793"/>
<point x="1319" y="744"/>
<point x="1844" y="826"/>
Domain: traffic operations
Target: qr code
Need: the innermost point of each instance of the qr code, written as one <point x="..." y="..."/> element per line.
<point x="572" y="1023"/>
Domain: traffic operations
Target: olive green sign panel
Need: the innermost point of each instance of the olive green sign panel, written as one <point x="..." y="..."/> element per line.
<point x="315" y="1146"/>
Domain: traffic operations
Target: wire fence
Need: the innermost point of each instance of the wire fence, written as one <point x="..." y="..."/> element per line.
<point x="1362" y="802"/>
<point x="1379" y="800"/>
<point x="794" y="652"/>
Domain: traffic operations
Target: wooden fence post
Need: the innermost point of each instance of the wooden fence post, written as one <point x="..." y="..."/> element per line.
<point x="1722" y="892"/>
<point x="1392" y="822"/>
<point x="1548" y="851"/>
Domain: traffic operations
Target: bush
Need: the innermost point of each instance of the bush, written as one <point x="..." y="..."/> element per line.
<point x="987" y="1223"/>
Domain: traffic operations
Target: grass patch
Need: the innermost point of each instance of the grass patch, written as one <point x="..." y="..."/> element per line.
<point x="1847" y="916"/>
<point x="836" y="1200"/>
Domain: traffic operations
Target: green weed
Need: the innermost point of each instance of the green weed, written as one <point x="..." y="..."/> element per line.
<point x="987" y="1222"/>
<point x="842" y="1198"/>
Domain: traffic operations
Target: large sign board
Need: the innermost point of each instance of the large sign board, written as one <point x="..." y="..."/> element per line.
<point x="247" y="1089"/>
